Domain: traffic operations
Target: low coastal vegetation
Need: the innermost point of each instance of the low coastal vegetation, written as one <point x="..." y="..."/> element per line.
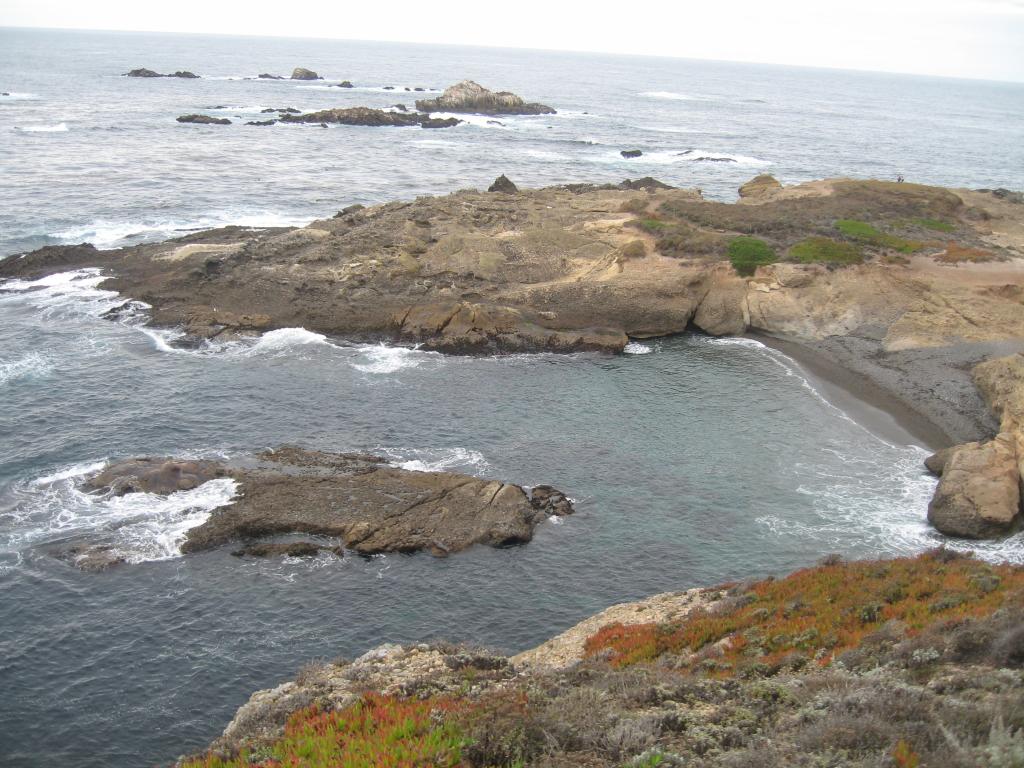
<point x="872" y="664"/>
<point x="825" y="250"/>
<point x="863" y="232"/>
<point x="748" y="253"/>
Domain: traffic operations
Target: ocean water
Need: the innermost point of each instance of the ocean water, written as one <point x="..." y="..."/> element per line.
<point x="692" y="460"/>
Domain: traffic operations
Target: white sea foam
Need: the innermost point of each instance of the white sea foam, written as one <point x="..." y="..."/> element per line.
<point x="138" y="527"/>
<point x="58" y="128"/>
<point x="72" y="472"/>
<point x="73" y="293"/>
<point x="438" y="459"/>
<point x="12" y="96"/>
<point x="106" y="234"/>
<point x="32" y="365"/>
<point x="699" y="155"/>
<point x="383" y="358"/>
<point x="636" y="348"/>
<point x="672" y="157"/>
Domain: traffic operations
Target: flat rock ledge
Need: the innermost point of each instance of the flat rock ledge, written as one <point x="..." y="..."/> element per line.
<point x="360" y="501"/>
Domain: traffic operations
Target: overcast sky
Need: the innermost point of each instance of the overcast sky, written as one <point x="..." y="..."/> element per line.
<point x="957" y="38"/>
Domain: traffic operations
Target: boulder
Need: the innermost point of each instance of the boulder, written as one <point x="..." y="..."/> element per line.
<point x="936" y="463"/>
<point x="503" y="184"/>
<point x="204" y="120"/>
<point x="979" y="493"/>
<point x="468" y="96"/>
<point x="629" y="153"/>
<point x="301" y="73"/>
<point x="760" y="187"/>
<point x="371" y="117"/>
<point x="142" y="73"/>
<point x="162" y="476"/>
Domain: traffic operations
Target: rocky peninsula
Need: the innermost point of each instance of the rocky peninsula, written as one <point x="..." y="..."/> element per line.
<point x="906" y="287"/>
<point x="908" y="662"/>
<point x="346" y="501"/>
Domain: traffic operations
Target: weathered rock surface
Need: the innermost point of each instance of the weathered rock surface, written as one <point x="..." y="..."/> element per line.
<point x="471" y="97"/>
<point x="204" y="120"/>
<point x="301" y="73"/>
<point x="936" y="463"/>
<point x="361" y="501"/>
<point x="503" y="184"/>
<point x="979" y="493"/>
<point x="760" y="187"/>
<point x="371" y="117"/>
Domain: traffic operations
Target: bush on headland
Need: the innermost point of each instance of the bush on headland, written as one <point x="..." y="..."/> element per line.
<point x="748" y="253"/>
<point x="825" y="250"/>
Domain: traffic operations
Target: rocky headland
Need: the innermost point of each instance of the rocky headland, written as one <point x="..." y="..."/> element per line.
<point x="470" y="97"/>
<point x="346" y="501"/>
<point x="913" y="662"/>
<point x="905" y="287"/>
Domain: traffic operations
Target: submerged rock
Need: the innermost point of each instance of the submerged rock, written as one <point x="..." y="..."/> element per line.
<point x="344" y="84"/>
<point x="287" y="549"/>
<point x="503" y="184"/>
<point x="370" y="117"/>
<point x="204" y="120"/>
<point x="468" y="96"/>
<point x="301" y="73"/>
<point x="628" y="153"/>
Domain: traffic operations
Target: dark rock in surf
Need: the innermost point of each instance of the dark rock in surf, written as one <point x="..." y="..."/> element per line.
<point x="419" y="90"/>
<point x="468" y="96"/>
<point x="266" y="76"/>
<point x="142" y="73"/>
<point x="503" y="184"/>
<point x="389" y="87"/>
<point x="631" y="153"/>
<point x="400" y="107"/>
<point x="204" y="120"/>
<point x="706" y="159"/>
<point x="370" y="117"/>
<point x="154" y="475"/>
<point x="185" y="75"/>
<point x="262" y="122"/>
<point x="301" y="73"/>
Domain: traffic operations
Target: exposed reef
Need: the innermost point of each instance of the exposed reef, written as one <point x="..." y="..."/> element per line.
<point x="184" y="74"/>
<point x="359" y="502"/>
<point x="370" y="117"/>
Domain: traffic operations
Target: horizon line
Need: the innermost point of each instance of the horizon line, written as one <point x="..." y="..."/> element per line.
<point x="520" y="48"/>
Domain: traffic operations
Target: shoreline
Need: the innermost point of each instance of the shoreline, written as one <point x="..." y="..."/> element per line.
<point x="864" y="399"/>
<point x="927" y="393"/>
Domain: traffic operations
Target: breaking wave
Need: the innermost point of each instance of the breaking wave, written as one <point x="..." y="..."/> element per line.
<point x="138" y="527"/>
<point x="58" y="128"/>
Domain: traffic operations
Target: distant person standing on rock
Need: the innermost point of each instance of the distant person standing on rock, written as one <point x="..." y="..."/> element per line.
<point x="899" y="179"/>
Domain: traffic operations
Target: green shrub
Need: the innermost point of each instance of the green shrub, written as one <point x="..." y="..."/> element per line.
<point x="825" y="250"/>
<point x="865" y="233"/>
<point x="748" y="253"/>
<point x="653" y="226"/>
